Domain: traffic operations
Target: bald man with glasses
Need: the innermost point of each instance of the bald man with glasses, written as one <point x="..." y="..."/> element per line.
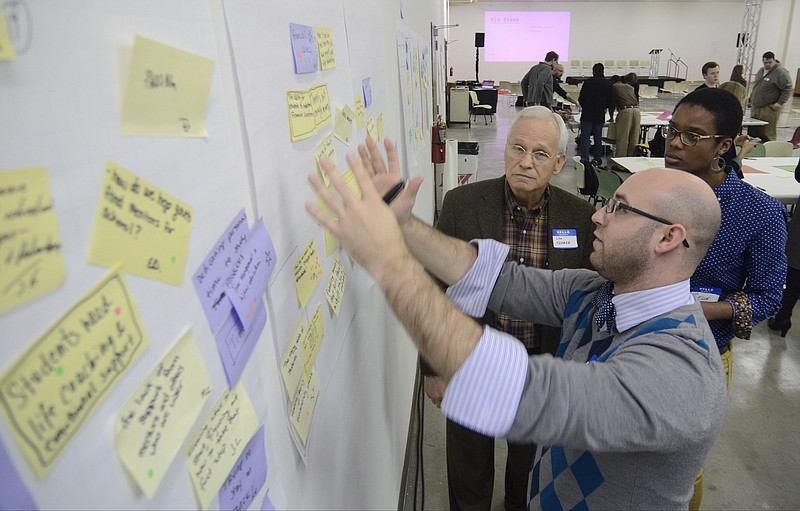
<point x="628" y="409"/>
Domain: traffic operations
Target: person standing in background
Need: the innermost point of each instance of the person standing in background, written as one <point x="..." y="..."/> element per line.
<point x="629" y="117"/>
<point x="782" y="321"/>
<point x="772" y="88"/>
<point x="537" y="85"/>
<point x="710" y="75"/>
<point x="546" y="227"/>
<point x="595" y="99"/>
<point x="558" y="72"/>
<point x="737" y="75"/>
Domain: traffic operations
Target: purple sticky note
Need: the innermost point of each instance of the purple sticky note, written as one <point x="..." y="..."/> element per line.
<point x="304" y="48"/>
<point x="210" y="278"/>
<point x="13" y="492"/>
<point x="235" y="344"/>
<point x="366" y="88"/>
<point x="247" y="476"/>
<point x="250" y="272"/>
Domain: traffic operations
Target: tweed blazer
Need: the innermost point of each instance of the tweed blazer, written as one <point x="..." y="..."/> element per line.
<point x="475" y="211"/>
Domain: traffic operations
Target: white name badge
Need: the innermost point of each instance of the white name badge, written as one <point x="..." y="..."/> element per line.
<point x="565" y="238"/>
<point x="706" y="294"/>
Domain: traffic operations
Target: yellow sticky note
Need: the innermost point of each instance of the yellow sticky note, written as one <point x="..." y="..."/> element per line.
<point x="48" y="393"/>
<point x="343" y="125"/>
<point x="326" y="149"/>
<point x="293" y="359"/>
<point x="380" y="126"/>
<point x="331" y="242"/>
<point x="31" y="261"/>
<point x="154" y="422"/>
<point x="312" y="340"/>
<point x="167" y="91"/>
<point x="141" y="226"/>
<point x="352" y="183"/>
<point x="327" y="60"/>
<point x="307" y="273"/>
<point x="301" y="115"/>
<point x="321" y="103"/>
<point x="359" y="102"/>
<point x="334" y="289"/>
<point x="372" y="131"/>
<point x="303" y="403"/>
<point x="6" y="48"/>
<point x="218" y="442"/>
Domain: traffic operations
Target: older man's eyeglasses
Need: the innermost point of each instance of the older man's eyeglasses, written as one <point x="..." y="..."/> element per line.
<point x="613" y="205"/>
<point x="688" y="138"/>
<point x="539" y="157"/>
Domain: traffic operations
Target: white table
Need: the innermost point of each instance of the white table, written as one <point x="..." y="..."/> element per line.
<point x="774" y="176"/>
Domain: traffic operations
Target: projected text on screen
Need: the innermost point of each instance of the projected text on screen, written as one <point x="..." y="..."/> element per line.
<point x="525" y="36"/>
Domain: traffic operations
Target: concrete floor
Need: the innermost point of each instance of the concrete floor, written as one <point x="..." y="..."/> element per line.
<point x="756" y="460"/>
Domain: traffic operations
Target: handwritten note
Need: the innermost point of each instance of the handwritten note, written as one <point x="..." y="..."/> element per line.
<point x="166" y="93"/>
<point x="304" y="48"/>
<point x="235" y="344"/>
<point x="293" y="359"/>
<point x="250" y="272"/>
<point x="331" y="242"/>
<point x="334" y="290"/>
<point x="301" y="115"/>
<point x="321" y="104"/>
<point x="325" y="148"/>
<point x="141" y="226"/>
<point x="312" y="340"/>
<point x="327" y="60"/>
<point x="6" y="48"/>
<point x="372" y="131"/>
<point x="366" y="89"/>
<point x="303" y="403"/>
<point x="359" y="102"/>
<point x="15" y="494"/>
<point x="156" y="419"/>
<point x="248" y="475"/>
<point x="31" y="260"/>
<point x="307" y="273"/>
<point x="48" y="393"/>
<point x="210" y="277"/>
<point x="343" y="125"/>
<point x="218" y="442"/>
<point x="380" y="126"/>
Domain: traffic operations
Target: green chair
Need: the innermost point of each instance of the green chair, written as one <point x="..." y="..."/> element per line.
<point x="758" y="152"/>
<point x="608" y="184"/>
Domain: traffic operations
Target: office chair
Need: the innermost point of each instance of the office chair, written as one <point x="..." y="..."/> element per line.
<point x="477" y="108"/>
<point x="777" y="148"/>
<point x="608" y="182"/>
<point x="758" y="151"/>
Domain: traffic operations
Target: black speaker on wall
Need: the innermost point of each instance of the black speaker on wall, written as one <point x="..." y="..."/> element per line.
<point x="479" y="36"/>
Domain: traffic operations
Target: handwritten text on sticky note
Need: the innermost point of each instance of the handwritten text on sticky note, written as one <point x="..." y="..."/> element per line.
<point x="303" y="403"/>
<point x="307" y="273"/>
<point x="327" y="60"/>
<point x="334" y="289"/>
<point x="247" y="476"/>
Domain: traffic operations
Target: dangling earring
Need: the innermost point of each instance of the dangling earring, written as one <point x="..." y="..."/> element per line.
<point x="720" y="164"/>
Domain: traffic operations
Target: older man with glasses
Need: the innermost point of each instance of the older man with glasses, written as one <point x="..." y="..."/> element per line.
<point x="627" y="411"/>
<point x="546" y="227"/>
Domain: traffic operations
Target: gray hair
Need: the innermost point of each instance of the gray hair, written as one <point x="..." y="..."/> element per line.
<point x="543" y="113"/>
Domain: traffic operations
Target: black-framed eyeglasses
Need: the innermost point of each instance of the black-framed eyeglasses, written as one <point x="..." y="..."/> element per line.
<point x="613" y="205"/>
<point x="688" y="138"/>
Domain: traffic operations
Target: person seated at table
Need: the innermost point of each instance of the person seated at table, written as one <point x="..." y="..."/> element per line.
<point x="710" y="75"/>
<point x="740" y="280"/>
<point x="737" y="89"/>
<point x="737" y="75"/>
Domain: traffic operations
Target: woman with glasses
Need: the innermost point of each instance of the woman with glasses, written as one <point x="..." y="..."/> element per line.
<point x="740" y="280"/>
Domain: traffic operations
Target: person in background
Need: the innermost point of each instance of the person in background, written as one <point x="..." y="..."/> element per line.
<point x="782" y="321"/>
<point x="740" y="280"/>
<point x="537" y="84"/>
<point x="595" y="98"/>
<point x="558" y="72"/>
<point x="627" y="430"/>
<point x="710" y="75"/>
<point x="737" y="75"/>
<point x="772" y="88"/>
<point x="736" y="89"/>
<point x="546" y="227"/>
<point x="628" y="115"/>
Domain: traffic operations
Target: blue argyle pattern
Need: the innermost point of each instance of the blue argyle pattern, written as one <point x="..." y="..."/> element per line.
<point x="573" y="477"/>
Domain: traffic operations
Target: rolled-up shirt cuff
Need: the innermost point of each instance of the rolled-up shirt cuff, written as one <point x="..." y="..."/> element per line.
<point x="484" y="393"/>
<point x="471" y="293"/>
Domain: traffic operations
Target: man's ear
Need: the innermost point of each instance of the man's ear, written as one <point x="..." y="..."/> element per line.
<point x="672" y="237"/>
<point x="562" y="159"/>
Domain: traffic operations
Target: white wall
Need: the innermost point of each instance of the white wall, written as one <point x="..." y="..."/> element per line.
<point x="695" y="31"/>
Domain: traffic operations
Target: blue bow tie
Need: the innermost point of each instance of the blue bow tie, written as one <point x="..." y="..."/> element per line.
<point x="606" y="313"/>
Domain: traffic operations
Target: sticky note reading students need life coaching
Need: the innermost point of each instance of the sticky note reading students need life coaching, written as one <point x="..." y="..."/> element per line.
<point x="31" y="260"/>
<point x="141" y="226"/>
<point x="166" y="93"/>
<point x="54" y="387"/>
